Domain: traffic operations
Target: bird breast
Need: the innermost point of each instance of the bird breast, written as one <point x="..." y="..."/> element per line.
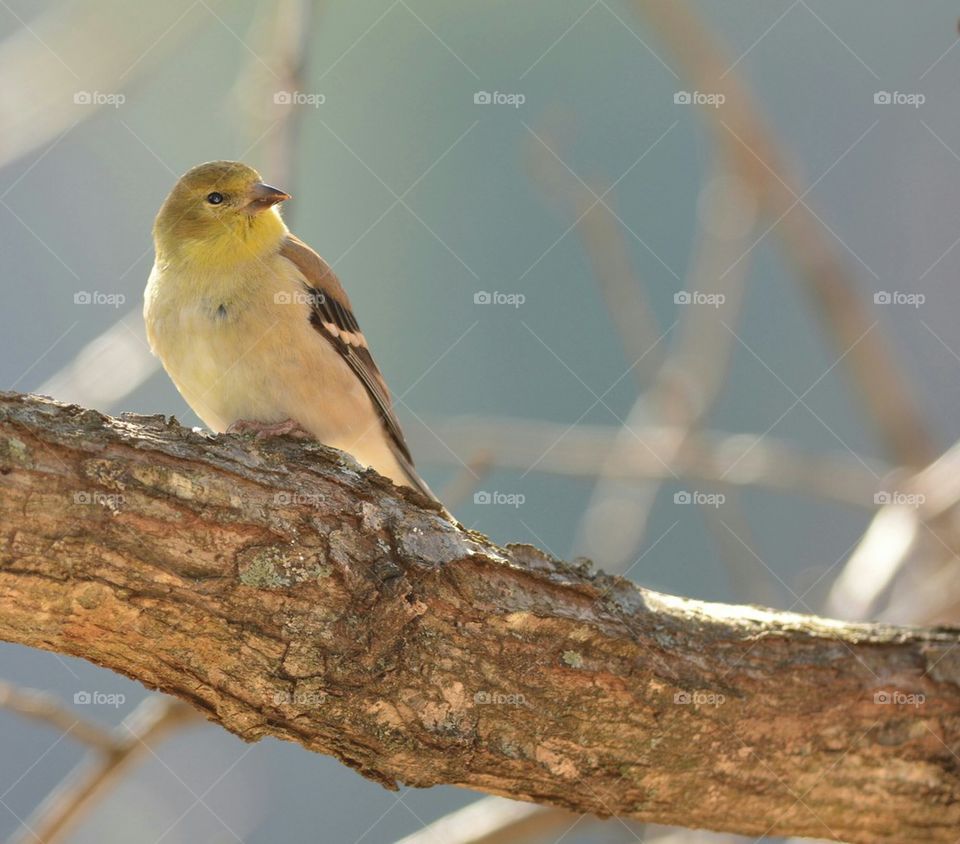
<point x="242" y="347"/>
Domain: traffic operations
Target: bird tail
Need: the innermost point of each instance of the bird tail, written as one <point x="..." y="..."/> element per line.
<point x="415" y="481"/>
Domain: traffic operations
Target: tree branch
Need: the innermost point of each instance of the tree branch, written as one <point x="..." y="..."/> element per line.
<point x="282" y="591"/>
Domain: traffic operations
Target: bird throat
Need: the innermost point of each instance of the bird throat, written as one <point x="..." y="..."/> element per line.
<point x="251" y="238"/>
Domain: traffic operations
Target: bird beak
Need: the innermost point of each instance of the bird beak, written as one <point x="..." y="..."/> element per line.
<point x="263" y="196"/>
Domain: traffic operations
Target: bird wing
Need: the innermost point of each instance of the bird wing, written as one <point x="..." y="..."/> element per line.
<point x="333" y="318"/>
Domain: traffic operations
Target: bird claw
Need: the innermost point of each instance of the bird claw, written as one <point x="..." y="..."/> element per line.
<point x="263" y="430"/>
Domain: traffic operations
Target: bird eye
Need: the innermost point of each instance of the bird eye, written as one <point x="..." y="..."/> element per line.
<point x="215" y="198"/>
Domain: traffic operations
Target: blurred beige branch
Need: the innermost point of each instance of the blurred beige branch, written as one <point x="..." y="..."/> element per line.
<point x="77" y="58"/>
<point x="493" y="820"/>
<point x="743" y="138"/>
<point x="744" y="460"/>
<point x="111" y="752"/>
<point x="906" y="568"/>
<point x="688" y="381"/>
<point x="264" y="95"/>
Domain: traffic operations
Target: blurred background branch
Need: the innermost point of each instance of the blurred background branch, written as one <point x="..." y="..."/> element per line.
<point x="111" y="752"/>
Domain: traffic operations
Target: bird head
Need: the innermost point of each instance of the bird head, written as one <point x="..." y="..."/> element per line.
<point x="219" y="213"/>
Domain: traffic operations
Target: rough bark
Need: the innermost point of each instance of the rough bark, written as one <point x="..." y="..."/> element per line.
<point x="283" y="591"/>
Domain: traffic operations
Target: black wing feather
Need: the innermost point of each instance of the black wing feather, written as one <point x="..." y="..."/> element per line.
<point x="326" y="309"/>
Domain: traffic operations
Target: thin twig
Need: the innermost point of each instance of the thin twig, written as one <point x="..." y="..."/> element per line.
<point x="689" y="380"/>
<point x="270" y="95"/>
<point x="748" y="144"/>
<point x="112" y="752"/>
<point x="47" y="709"/>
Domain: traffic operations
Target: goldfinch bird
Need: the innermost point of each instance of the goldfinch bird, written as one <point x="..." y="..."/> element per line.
<point x="254" y="327"/>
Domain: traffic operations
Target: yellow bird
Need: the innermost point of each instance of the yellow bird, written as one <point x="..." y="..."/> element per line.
<point x="255" y="329"/>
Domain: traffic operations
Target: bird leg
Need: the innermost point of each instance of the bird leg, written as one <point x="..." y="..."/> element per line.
<point x="263" y="430"/>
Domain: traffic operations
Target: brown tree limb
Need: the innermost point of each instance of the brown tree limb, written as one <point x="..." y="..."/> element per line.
<point x="282" y="591"/>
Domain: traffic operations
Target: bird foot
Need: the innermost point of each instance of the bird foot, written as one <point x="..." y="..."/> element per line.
<point x="263" y="430"/>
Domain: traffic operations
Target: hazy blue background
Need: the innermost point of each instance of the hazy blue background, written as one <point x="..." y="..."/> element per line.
<point x="399" y="81"/>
